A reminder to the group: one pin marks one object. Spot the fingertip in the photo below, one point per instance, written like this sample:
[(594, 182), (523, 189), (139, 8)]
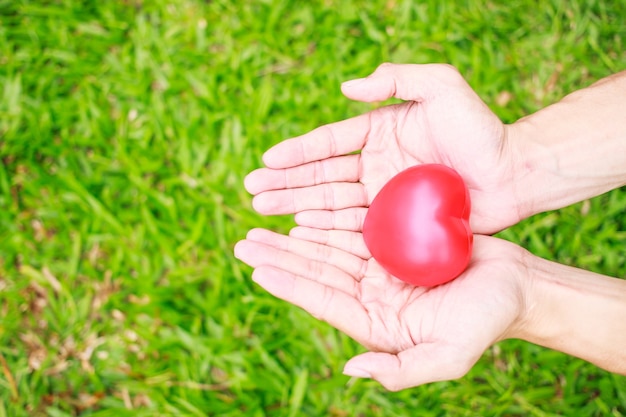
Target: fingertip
[(237, 250), (250, 182), (282, 155), (271, 203), (360, 366), (314, 218), (255, 234), (247, 250), (269, 157), (301, 218), (258, 275), (356, 372), (382, 367), (275, 281), (262, 277), (240, 250), (259, 204), (308, 233), (370, 89), (297, 232), (346, 85)]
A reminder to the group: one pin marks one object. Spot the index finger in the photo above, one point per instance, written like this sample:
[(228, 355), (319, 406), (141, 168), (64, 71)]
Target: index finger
[(339, 138)]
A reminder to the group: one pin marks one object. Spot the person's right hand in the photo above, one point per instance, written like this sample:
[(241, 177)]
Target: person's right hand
[(318, 176), (415, 335)]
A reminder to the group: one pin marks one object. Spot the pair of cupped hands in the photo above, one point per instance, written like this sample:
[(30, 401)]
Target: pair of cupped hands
[(414, 335)]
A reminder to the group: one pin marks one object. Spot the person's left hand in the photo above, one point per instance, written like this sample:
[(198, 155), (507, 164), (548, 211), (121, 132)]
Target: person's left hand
[(318, 177), (415, 335)]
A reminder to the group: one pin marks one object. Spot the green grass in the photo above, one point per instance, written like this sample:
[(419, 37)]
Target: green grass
[(126, 128)]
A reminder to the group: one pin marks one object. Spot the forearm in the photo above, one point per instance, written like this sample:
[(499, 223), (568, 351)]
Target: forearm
[(577, 312), (572, 150)]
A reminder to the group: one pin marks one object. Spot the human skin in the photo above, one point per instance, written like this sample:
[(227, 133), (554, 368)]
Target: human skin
[(567, 152), (416, 335), (315, 176), (572, 150)]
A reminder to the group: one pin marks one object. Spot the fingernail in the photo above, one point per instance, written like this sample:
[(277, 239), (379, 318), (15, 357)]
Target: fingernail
[(353, 83), (356, 372)]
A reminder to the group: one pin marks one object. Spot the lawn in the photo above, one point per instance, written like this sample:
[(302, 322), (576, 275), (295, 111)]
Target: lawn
[(126, 129)]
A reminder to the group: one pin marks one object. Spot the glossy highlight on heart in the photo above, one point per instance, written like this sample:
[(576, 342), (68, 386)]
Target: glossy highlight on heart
[(417, 227)]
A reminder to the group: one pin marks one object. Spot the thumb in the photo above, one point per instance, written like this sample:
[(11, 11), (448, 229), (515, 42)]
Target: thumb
[(404, 81), (421, 364)]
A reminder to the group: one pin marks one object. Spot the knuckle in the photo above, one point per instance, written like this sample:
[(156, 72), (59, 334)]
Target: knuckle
[(319, 172), (451, 68), (331, 140), (329, 196), (450, 73)]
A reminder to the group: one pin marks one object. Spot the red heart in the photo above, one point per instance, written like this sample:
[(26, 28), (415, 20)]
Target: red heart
[(417, 227)]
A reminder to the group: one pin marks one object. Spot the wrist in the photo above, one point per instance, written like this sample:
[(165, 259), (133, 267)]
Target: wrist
[(522, 158), (574, 311), (537, 181), (572, 150)]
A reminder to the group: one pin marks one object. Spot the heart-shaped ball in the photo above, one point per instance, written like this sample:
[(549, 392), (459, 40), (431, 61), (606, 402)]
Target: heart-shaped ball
[(417, 227)]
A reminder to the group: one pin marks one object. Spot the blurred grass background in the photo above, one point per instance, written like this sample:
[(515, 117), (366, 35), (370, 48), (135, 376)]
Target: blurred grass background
[(126, 128)]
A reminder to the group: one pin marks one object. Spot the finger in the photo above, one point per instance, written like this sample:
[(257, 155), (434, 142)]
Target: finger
[(339, 309), (330, 140), (347, 219), (258, 254), (339, 169), (403, 81), (421, 364), (350, 242), (311, 250), (333, 196)]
